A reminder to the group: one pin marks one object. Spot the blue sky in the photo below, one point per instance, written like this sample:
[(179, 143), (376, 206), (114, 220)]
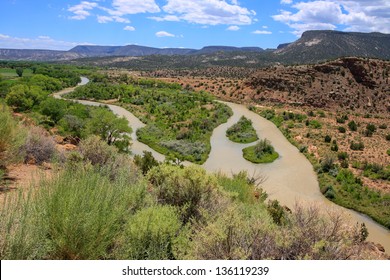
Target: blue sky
[(61, 25)]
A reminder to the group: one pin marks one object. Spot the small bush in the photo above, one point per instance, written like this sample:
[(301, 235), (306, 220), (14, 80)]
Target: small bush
[(315, 124), (327, 163), (342, 156), (96, 151), (341, 129), (328, 139), (11, 137), (145, 162), (262, 152), (388, 137), (188, 188), (330, 194), (151, 234), (242, 131), (39, 147), (352, 126), (357, 146)]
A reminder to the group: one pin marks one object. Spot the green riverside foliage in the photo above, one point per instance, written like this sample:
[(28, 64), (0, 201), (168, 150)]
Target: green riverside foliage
[(349, 192), (179, 123), (75, 215), (262, 152), (150, 234), (242, 131), (182, 213), (12, 137), (345, 189)]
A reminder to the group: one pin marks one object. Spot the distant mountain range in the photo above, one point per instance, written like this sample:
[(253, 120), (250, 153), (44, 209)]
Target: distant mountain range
[(312, 47)]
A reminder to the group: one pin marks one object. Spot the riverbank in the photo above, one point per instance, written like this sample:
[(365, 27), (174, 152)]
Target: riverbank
[(289, 179)]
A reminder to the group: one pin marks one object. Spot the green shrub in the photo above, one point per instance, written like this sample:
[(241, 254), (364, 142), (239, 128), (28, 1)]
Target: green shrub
[(76, 214), (96, 151), (315, 124), (262, 152), (151, 234), (39, 147), (239, 232), (357, 146), (342, 155), (11, 137), (277, 212), (328, 139), (327, 163), (330, 194), (145, 162), (352, 126), (242, 131), (341, 129), (239, 187), (188, 188)]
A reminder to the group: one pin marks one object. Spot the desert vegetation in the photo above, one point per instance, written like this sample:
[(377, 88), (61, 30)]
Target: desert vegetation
[(352, 167), (242, 131), (100, 203), (178, 122), (261, 152), (105, 208)]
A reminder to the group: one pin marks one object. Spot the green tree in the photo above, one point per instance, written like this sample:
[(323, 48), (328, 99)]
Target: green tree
[(109, 127), (53, 108), (24, 97), (19, 71), (145, 162)]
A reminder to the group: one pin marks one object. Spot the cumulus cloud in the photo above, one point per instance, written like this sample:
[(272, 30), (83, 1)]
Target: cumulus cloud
[(164, 34), (126, 7), (40, 42), (360, 15), (105, 19), (166, 18), (115, 11), (81, 11), (233, 28), (262, 32), (209, 12), (129, 28)]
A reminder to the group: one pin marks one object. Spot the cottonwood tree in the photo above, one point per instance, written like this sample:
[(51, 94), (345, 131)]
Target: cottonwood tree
[(113, 130)]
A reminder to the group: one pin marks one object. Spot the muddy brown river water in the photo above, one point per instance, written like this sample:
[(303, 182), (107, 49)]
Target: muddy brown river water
[(289, 179)]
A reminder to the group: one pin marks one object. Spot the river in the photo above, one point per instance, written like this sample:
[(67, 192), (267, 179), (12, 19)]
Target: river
[(289, 179)]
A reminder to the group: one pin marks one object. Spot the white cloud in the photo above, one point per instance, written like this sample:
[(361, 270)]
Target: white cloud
[(262, 32), (115, 11), (41, 42), (286, 1), (360, 15), (166, 18), (164, 34), (129, 28), (233, 28), (80, 11), (105, 19), (129, 7), (209, 12)]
